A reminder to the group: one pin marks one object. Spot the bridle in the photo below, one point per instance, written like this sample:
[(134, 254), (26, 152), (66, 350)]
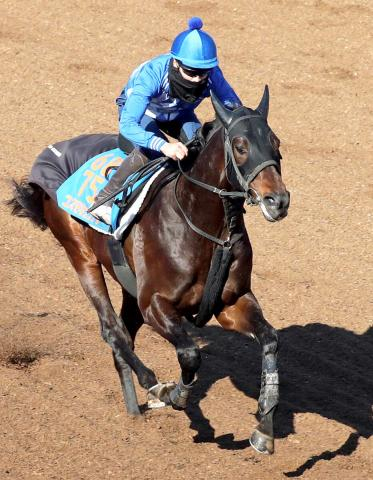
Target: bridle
[(256, 168), (247, 193)]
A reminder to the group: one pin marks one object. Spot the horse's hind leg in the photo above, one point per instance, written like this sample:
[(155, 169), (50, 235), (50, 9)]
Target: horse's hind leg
[(132, 320), (115, 333), (246, 317), (162, 316), (72, 237)]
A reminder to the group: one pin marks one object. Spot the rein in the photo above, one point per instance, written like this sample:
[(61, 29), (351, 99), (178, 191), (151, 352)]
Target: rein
[(224, 194), (210, 188), (232, 202), (223, 255), (223, 243)]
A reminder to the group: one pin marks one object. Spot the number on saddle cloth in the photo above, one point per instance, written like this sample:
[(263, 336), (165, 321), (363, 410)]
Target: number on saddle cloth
[(77, 193)]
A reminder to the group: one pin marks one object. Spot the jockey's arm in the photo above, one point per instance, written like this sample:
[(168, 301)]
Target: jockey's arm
[(176, 151), (130, 128), (223, 90), (131, 115)]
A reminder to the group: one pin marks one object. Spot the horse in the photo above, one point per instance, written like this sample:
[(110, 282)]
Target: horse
[(171, 247)]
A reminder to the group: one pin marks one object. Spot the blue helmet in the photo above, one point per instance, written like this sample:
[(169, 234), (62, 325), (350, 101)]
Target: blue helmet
[(195, 48)]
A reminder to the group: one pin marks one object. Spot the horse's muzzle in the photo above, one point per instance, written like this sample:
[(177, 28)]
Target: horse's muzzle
[(275, 205)]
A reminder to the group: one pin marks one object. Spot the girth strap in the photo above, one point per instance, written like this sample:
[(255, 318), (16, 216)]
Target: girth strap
[(121, 268)]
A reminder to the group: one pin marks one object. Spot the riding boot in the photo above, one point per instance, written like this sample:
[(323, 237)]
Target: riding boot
[(133, 162)]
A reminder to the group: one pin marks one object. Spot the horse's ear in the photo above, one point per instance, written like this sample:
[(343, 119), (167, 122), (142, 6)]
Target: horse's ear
[(263, 106), (224, 114)]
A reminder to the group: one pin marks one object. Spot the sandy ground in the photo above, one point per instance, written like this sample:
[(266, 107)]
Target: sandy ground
[(62, 416)]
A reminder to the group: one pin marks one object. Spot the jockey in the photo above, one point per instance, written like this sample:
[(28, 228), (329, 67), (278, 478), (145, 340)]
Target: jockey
[(160, 97)]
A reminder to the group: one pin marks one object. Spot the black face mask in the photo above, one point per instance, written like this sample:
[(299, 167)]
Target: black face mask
[(182, 88)]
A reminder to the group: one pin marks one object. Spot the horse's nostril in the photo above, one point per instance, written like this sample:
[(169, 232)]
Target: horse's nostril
[(279, 201), (270, 200)]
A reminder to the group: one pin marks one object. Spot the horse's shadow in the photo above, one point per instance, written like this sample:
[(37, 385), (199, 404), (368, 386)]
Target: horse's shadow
[(324, 370)]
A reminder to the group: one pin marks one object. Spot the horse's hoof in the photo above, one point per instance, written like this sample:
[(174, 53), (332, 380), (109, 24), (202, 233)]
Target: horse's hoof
[(159, 395), (179, 395), (262, 443)]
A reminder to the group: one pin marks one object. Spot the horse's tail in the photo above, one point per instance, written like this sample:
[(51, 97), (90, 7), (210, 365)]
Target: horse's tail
[(27, 202)]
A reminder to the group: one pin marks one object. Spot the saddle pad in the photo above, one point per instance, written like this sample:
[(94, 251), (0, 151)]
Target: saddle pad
[(77, 193)]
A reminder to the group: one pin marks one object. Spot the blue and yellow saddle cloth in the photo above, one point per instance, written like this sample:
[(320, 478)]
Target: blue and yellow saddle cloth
[(77, 193)]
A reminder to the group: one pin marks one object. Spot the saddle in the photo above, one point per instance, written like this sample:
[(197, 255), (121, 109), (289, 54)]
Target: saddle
[(137, 181)]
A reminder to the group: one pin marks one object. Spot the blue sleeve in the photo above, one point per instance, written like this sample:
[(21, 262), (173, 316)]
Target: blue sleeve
[(139, 95), (222, 89)]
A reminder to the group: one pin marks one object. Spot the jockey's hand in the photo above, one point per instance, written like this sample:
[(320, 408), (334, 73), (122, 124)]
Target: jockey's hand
[(176, 151)]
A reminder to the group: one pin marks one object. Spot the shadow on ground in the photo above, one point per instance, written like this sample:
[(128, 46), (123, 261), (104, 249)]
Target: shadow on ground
[(323, 370)]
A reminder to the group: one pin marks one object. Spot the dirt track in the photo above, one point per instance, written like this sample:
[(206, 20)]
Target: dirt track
[(62, 411)]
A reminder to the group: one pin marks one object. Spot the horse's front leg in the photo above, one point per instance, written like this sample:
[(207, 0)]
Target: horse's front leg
[(163, 317), (246, 317)]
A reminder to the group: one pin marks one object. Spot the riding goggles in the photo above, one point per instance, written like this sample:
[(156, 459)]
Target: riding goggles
[(195, 72)]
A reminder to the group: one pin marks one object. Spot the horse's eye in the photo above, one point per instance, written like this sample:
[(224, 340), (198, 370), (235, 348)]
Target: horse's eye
[(241, 149), (241, 145)]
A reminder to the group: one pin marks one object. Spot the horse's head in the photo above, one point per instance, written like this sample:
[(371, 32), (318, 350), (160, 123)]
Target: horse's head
[(253, 159)]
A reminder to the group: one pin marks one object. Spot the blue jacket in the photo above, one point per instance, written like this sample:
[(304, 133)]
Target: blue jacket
[(147, 92)]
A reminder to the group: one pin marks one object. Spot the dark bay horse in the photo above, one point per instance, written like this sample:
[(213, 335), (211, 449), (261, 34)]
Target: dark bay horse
[(170, 249)]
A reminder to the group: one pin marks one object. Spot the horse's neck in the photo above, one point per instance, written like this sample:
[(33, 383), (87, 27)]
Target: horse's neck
[(203, 207), (209, 167)]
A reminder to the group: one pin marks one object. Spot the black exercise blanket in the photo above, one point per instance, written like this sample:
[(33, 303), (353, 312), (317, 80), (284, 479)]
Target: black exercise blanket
[(60, 160)]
